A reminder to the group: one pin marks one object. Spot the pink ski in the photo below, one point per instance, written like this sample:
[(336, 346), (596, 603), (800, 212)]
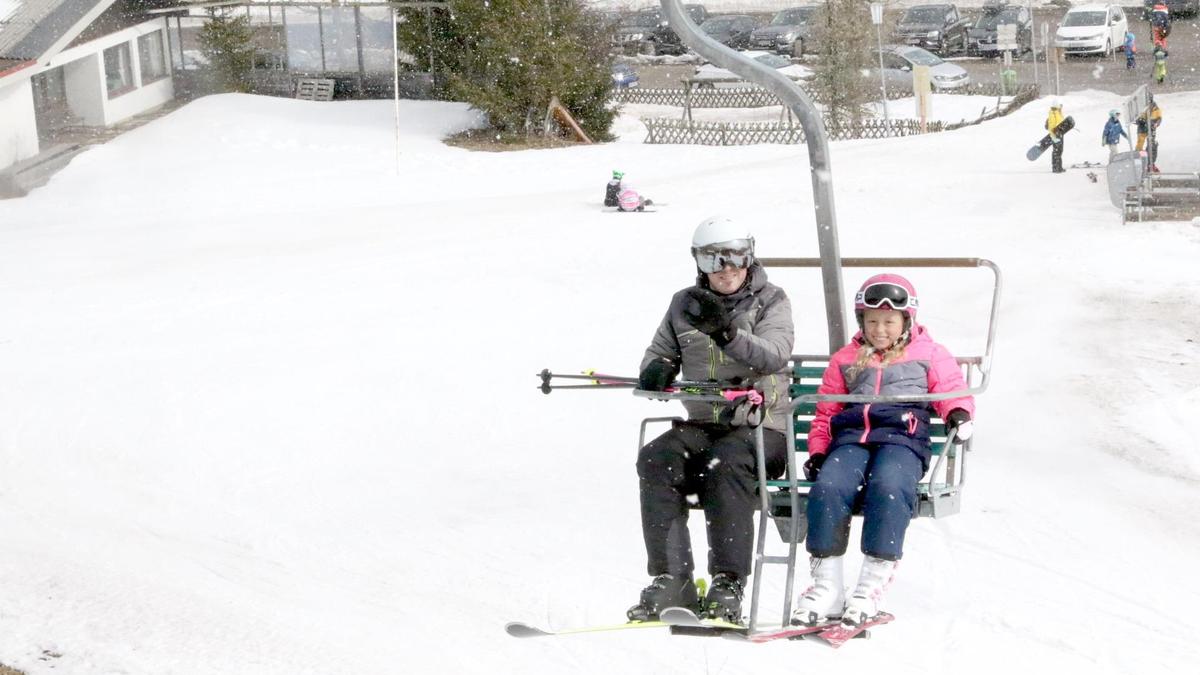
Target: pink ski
[(840, 633)]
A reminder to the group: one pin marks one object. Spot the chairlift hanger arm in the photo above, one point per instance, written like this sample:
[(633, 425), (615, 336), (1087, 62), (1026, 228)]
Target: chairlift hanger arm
[(815, 139)]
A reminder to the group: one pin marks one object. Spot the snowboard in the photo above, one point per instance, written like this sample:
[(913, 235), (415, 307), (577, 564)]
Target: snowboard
[(1063, 127)]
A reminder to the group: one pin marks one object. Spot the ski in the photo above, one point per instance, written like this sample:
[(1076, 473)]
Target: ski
[(1087, 165), (684, 621), (520, 629), (788, 633), (837, 635)]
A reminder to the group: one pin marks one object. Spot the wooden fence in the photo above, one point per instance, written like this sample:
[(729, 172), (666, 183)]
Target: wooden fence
[(753, 96), (686, 131), (664, 130)]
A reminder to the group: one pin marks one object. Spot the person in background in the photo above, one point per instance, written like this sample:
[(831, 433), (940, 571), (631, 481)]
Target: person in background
[(612, 191), (1130, 50), (1054, 119), (1160, 24), (1160, 64), (874, 454), (1113, 131), (1146, 123), (732, 324)]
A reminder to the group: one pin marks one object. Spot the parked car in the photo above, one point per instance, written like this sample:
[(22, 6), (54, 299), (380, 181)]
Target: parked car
[(981, 38), (624, 76), (709, 75), (899, 60), (788, 32), (1092, 29), (937, 28), (648, 32), (731, 30)]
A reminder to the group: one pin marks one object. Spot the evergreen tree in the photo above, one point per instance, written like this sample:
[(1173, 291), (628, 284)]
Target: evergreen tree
[(225, 42), (843, 34), (508, 58)]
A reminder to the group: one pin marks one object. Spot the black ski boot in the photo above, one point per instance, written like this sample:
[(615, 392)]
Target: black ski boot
[(724, 599), (667, 590)]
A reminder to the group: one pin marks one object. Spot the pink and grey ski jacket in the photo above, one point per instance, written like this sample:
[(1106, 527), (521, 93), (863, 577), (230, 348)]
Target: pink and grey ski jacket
[(926, 368)]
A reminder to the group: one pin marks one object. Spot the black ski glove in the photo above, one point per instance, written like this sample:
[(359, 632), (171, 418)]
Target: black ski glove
[(960, 421), (706, 311), (813, 466), (658, 374)]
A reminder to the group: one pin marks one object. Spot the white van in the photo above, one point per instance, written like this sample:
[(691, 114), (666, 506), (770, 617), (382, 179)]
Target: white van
[(1091, 29)]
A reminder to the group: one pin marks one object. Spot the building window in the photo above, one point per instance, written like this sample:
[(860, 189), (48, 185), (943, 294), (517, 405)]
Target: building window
[(150, 55), (118, 71)]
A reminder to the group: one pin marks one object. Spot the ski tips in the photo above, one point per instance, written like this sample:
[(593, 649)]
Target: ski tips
[(524, 630)]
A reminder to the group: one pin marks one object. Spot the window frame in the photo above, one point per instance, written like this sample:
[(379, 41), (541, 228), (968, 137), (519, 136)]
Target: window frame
[(130, 82), (164, 71)]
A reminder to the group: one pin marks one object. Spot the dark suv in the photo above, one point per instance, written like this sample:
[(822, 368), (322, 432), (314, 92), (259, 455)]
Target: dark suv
[(938, 28), (787, 33), (981, 38), (647, 31)]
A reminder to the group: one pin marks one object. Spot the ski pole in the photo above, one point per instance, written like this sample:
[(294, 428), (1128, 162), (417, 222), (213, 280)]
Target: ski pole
[(728, 390)]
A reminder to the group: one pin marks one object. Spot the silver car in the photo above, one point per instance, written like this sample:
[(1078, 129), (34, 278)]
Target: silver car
[(899, 60)]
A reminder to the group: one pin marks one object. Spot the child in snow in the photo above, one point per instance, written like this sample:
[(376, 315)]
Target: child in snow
[(875, 453), (631, 200), (1160, 64), (1130, 50), (612, 191), (731, 323), (1113, 131)]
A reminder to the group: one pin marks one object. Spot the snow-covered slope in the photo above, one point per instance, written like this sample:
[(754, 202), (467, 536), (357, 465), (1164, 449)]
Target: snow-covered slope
[(267, 397)]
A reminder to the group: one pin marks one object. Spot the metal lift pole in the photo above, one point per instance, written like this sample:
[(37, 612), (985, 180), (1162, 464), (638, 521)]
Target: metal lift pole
[(818, 152)]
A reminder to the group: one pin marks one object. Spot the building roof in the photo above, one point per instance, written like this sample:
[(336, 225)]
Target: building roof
[(33, 27)]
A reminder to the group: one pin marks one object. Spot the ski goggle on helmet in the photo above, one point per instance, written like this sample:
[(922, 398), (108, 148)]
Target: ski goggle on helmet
[(890, 291), (718, 242)]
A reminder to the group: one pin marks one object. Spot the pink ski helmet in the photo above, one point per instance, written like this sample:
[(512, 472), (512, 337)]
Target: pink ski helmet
[(887, 290)]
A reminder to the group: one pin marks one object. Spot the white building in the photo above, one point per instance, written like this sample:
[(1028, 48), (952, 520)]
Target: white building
[(70, 63)]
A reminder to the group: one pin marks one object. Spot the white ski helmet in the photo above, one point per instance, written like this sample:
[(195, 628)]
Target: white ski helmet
[(719, 240), (719, 229)]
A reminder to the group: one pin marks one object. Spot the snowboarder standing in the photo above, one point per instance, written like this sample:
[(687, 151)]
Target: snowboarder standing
[(1130, 50), (1147, 127), (733, 323), (874, 454), (1113, 131), (612, 191), (1052, 121)]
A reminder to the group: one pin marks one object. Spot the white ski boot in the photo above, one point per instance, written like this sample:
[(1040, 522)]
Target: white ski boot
[(874, 579), (826, 598)]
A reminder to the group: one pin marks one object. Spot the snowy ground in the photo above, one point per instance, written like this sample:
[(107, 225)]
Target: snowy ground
[(268, 405)]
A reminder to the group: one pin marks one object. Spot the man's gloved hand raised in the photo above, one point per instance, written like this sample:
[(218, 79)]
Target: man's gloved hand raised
[(658, 374), (706, 311), (960, 420)]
